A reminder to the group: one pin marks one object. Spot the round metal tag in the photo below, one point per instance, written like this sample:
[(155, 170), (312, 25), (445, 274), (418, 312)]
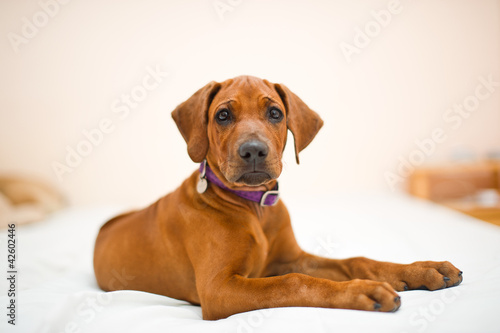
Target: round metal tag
[(202, 185)]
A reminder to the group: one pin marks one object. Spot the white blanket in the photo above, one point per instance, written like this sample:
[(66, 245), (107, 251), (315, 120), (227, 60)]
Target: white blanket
[(57, 291)]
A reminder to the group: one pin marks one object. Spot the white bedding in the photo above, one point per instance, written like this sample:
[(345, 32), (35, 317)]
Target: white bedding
[(58, 292)]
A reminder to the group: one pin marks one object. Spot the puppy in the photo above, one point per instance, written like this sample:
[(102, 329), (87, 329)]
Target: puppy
[(223, 239)]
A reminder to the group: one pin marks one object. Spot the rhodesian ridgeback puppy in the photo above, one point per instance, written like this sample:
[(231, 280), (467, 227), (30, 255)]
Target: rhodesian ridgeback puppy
[(223, 239)]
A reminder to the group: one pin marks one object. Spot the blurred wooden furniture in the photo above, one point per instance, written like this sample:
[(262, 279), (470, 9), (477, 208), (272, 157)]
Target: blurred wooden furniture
[(472, 188)]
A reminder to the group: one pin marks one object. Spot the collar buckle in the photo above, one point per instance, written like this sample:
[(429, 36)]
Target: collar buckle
[(266, 194)]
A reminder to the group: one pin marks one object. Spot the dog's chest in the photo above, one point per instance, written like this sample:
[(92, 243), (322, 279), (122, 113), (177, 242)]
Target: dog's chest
[(258, 254)]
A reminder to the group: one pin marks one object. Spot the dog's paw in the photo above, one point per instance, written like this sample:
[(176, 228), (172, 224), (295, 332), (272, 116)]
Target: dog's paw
[(370, 296), (428, 275)]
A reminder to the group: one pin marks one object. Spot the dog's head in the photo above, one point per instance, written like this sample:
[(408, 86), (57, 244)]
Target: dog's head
[(240, 127)]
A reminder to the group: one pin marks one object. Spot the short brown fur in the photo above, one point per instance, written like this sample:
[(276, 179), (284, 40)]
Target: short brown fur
[(229, 254)]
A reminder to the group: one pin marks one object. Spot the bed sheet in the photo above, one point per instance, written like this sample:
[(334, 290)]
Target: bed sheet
[(57, 291)]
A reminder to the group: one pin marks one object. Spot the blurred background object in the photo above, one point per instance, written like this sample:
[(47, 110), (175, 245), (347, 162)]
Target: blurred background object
[(25, 200), (472, 188)]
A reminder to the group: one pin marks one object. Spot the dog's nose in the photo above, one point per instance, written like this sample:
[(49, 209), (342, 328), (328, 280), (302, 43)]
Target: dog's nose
[(253, 151)]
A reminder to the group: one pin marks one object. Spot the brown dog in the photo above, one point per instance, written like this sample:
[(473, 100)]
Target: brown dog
[(221, 241)]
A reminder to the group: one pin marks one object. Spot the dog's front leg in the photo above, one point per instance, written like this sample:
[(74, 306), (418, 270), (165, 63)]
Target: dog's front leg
[(230, 270), (232, 294), (418, 275)]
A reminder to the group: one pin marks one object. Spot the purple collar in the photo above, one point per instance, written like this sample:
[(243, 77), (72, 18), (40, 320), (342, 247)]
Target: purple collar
[(265, 198)]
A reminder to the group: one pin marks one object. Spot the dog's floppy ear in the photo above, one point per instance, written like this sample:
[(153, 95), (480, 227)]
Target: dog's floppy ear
[(191, 118), (303, 122)]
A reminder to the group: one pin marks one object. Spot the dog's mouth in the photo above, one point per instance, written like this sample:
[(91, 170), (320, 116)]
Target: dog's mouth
[(248, 177), (254, 178)]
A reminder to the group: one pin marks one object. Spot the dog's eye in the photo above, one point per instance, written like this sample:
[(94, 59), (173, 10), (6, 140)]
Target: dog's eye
[(223, 116), (275, 115)]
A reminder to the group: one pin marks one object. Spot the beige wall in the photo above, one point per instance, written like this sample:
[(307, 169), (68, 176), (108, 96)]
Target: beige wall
[(69, 74)]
